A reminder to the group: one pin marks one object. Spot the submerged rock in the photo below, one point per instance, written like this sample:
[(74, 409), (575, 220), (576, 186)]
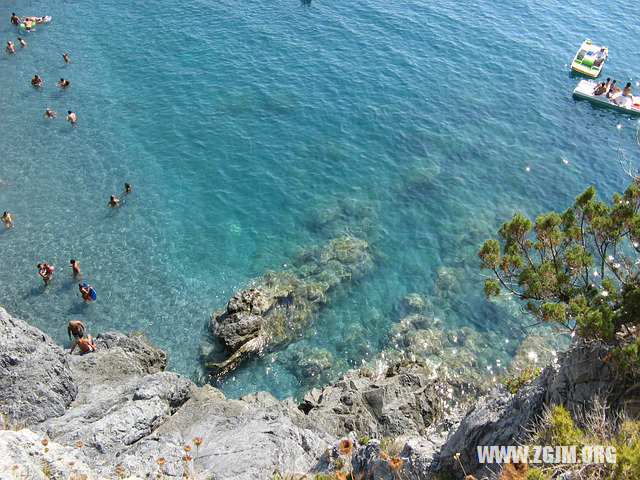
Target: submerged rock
[(282, 305), (416, 303)]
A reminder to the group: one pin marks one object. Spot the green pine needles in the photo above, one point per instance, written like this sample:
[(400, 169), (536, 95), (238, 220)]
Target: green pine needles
[(578, 269)]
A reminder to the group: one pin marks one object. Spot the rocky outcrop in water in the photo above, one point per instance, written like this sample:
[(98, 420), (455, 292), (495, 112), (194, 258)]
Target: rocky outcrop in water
[(280, 306)]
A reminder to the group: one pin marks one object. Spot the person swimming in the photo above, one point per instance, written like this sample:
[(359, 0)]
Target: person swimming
[(85, 292), (36, 81), (7, 219), (63, 83), (113, 201), (22, 42), (10, 48), (71, 117), (14, 18), (50, 113), (75, 327), (127, 188), (86, 345), (73, 263), (46, 272), (66, 59)]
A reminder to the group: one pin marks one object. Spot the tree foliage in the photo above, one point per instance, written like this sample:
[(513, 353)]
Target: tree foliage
[(578, 268)]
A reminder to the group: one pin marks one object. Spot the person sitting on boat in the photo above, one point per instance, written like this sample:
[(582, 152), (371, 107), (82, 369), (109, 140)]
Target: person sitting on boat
[(601, 88), (624, 99), (613, 89), (600, 57)]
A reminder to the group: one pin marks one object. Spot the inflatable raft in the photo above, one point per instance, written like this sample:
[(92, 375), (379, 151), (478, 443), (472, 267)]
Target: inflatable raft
[(584, 61), (585, 90), (45, 19)]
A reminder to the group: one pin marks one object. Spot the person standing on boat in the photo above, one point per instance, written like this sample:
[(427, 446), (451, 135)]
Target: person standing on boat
[(600, 57)]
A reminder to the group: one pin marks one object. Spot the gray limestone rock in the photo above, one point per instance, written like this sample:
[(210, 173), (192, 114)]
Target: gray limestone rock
[(35, 378), (399, 403)]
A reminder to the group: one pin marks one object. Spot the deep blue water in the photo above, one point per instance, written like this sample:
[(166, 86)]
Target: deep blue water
[(239, 124)]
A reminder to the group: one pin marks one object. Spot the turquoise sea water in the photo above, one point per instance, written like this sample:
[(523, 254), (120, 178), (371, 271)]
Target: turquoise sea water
[(241, 124)]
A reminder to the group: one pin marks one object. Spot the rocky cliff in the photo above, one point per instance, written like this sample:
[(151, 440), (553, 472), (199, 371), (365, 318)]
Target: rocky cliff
[(115, 413)]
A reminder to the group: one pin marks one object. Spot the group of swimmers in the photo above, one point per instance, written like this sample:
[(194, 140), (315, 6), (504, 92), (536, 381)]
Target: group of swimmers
[(610, 90), (36, 81), (29, 22), (78, 330), (7, 219)]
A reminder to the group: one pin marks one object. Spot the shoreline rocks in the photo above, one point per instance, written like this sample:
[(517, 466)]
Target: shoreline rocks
[(117, 408)]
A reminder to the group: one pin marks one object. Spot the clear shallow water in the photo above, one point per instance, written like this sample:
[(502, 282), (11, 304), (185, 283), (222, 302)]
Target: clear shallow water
[(236, 122)]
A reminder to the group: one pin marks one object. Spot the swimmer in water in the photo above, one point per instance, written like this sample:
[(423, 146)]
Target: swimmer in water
[(73, 263), (22, 42), (75, 327), (7, 219), (46, 272), (127, 188), (63, 83), (85, 292), (10, 48), (85, 344), (14, 18), (66, 59), (113, 201), (71, 117), (50, 113), (36, 81)]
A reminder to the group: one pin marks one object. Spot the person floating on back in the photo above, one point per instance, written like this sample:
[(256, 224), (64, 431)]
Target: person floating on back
[(36, 81), (7, 219), (10, 48), (46, 272), (73, 263), (14, 19), (71, 117), (50, 113), (85, 344), (85, 292), (113, 201), (66, 59), (76, 327)]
